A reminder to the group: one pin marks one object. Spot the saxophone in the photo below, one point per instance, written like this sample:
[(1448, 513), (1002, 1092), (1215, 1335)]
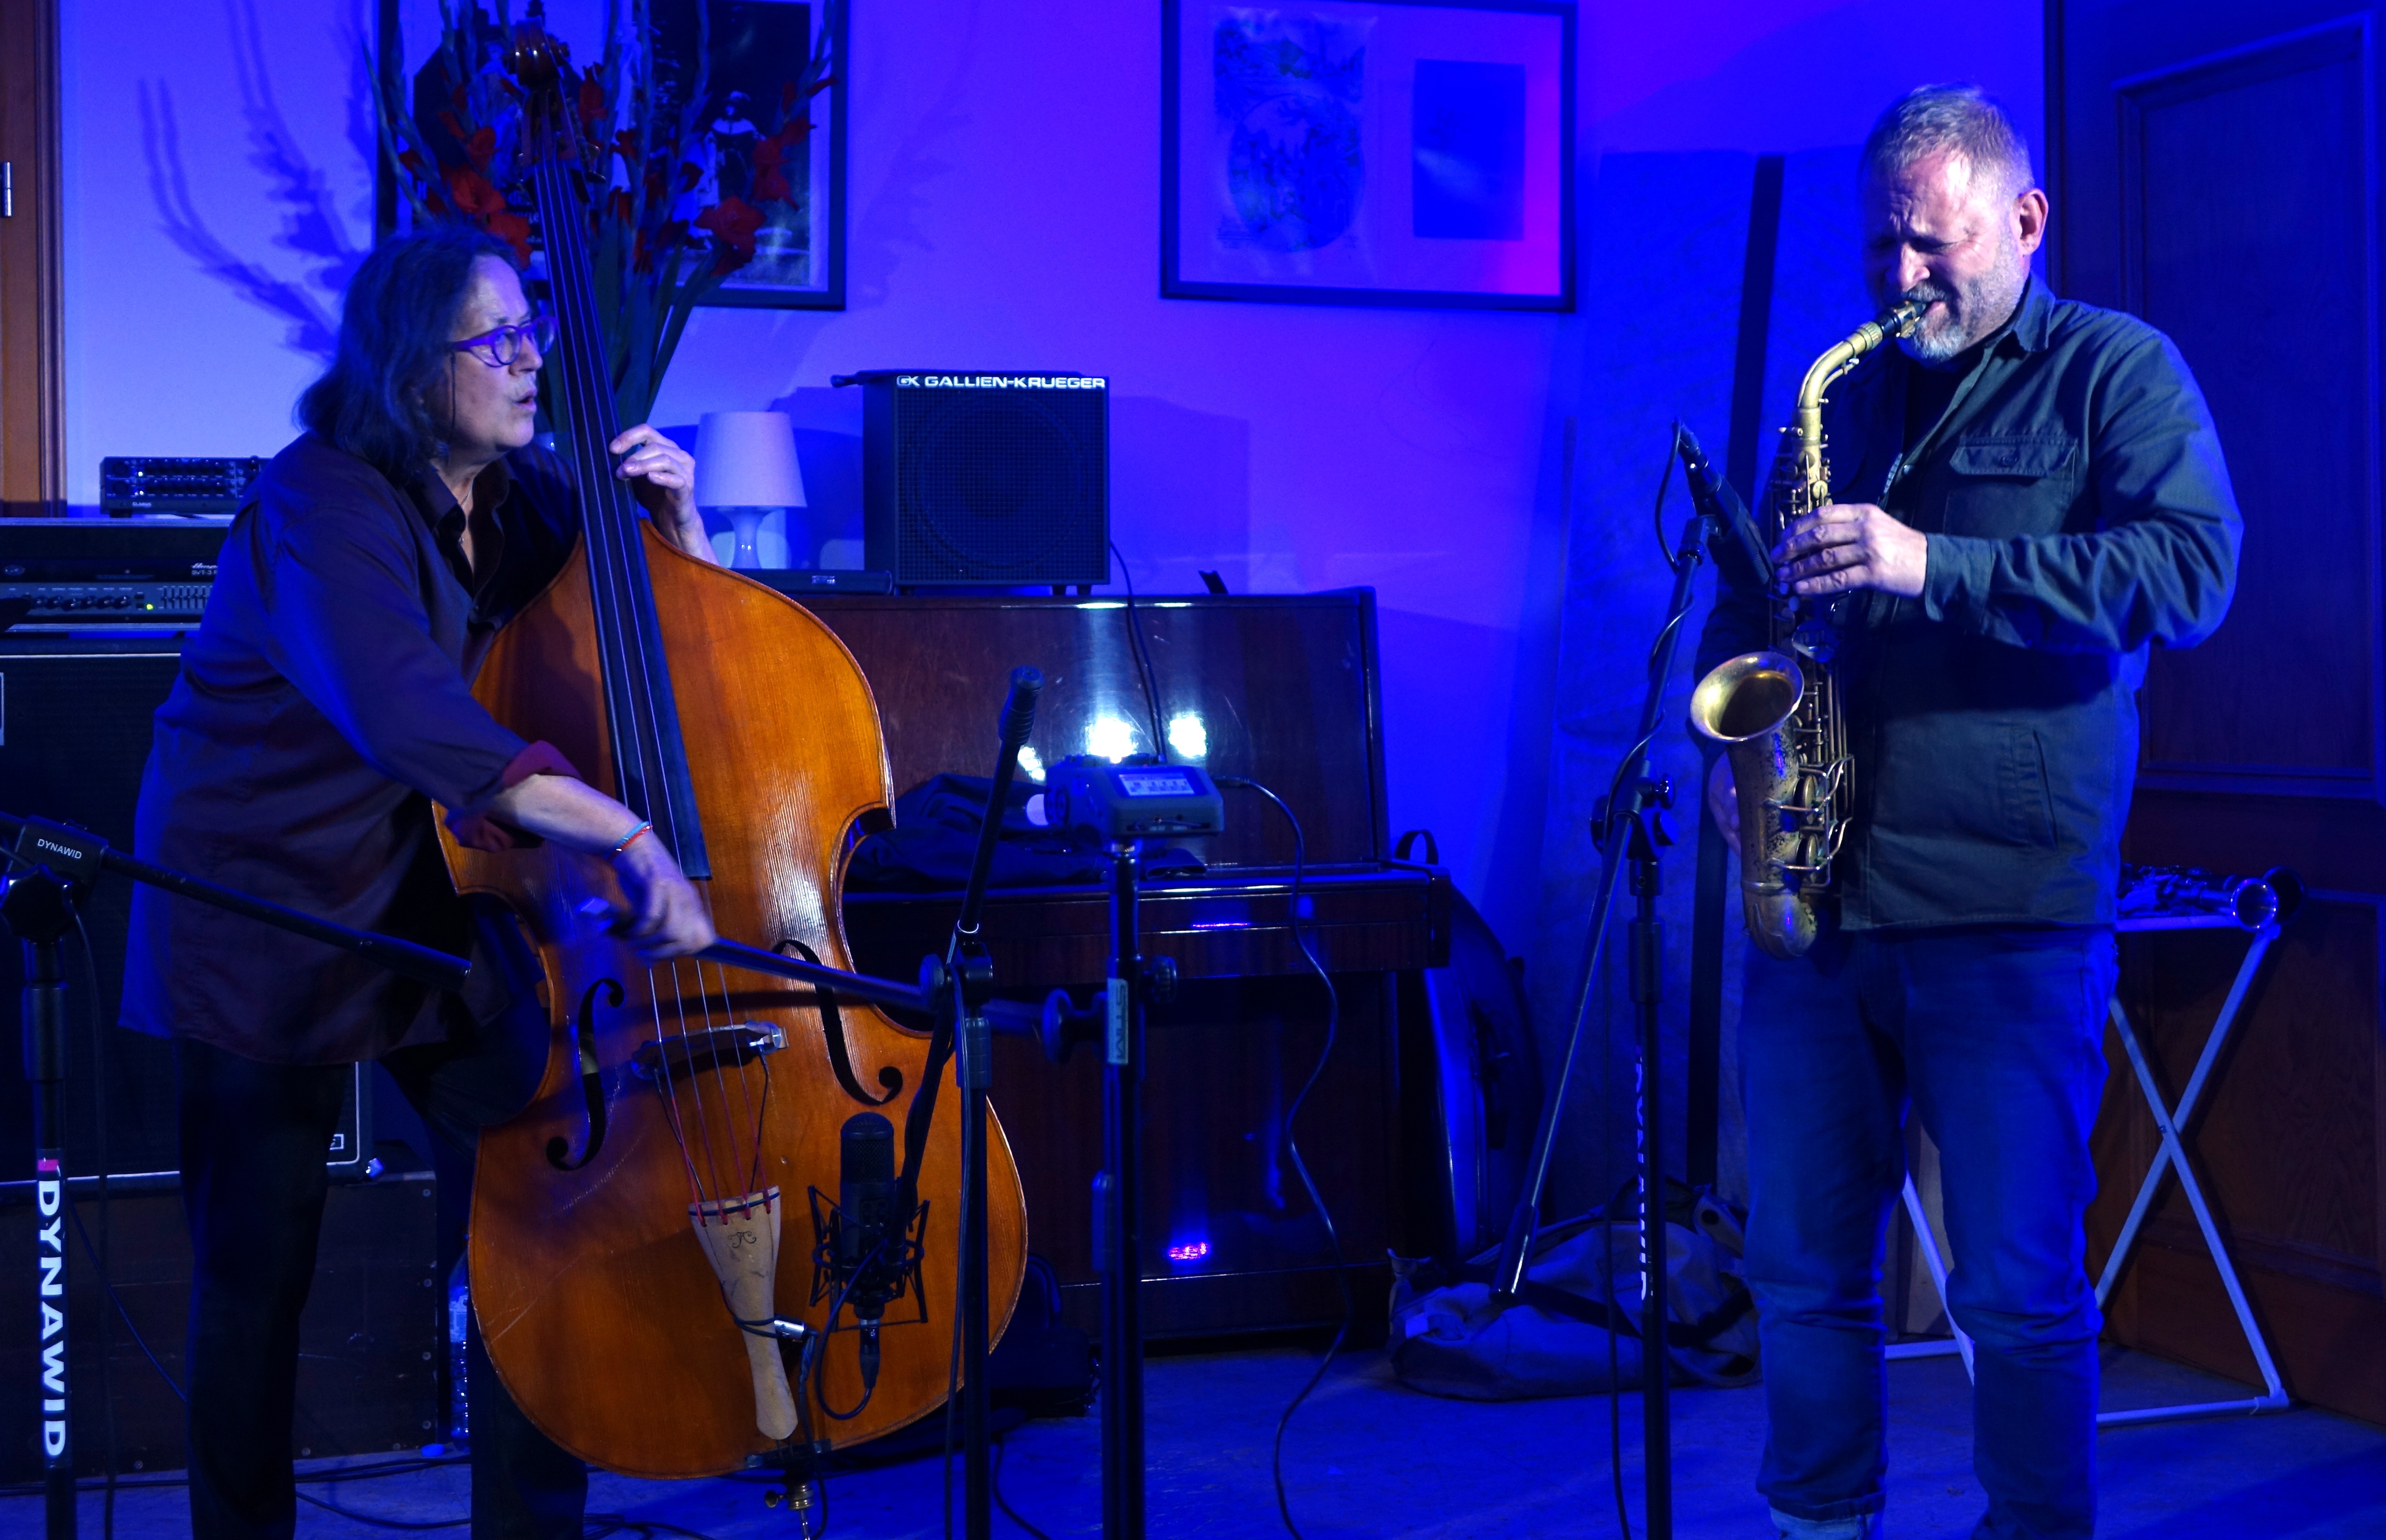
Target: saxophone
[(1777, 713)]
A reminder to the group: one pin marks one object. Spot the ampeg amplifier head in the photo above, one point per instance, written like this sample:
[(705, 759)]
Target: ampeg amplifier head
[(972, 479)]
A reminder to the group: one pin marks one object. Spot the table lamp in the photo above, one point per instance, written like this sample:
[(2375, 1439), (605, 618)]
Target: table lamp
[(746, 467)]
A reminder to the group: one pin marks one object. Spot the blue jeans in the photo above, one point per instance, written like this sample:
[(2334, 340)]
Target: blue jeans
[(1996, 1039)]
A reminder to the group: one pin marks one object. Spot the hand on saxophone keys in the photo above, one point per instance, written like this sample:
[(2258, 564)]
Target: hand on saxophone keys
[(1849, 545)]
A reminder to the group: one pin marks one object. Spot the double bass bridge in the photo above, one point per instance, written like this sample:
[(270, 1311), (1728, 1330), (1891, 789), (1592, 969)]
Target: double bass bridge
[(671, 1059)]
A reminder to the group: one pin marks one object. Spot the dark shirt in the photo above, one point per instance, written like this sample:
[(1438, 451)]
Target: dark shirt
[(2078, 511), (323, 705)]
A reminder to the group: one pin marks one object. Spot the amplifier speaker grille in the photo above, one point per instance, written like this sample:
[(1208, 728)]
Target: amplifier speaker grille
[(987, 485)]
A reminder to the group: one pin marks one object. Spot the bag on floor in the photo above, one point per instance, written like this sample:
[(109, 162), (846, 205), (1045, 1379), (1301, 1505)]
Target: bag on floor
[(1581, 1296)]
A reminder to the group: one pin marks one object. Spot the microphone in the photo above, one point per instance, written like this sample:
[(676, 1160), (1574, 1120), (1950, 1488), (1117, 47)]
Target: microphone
[(866, 1202), (1716, 499)]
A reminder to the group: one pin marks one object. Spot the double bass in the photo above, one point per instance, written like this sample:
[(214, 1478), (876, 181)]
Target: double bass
[(669, 1193)]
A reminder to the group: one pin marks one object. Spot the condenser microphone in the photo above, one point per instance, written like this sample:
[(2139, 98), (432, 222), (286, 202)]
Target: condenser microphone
[(865, 1254), (1718, 500)]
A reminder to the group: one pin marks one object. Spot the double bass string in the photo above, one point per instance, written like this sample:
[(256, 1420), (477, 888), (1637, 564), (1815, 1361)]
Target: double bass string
[(610, 575), (618, 554)]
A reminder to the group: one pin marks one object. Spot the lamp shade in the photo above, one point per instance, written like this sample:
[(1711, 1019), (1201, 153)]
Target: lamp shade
[(747, 460)]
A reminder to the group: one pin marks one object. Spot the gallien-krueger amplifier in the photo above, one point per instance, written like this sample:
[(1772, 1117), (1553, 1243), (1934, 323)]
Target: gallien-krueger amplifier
[(977, 479)]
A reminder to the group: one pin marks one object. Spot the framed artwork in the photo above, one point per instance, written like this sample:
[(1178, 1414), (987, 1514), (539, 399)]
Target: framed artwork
[(745, 107), (1368, 152)]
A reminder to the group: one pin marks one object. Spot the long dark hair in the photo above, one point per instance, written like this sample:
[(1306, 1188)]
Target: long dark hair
[(393, 336)]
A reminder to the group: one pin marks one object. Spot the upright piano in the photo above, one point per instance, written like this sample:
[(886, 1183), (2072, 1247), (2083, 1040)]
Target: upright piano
[(1283, 689)]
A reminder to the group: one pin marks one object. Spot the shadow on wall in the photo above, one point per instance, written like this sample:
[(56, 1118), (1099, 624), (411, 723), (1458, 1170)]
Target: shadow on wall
[(895, 215), (1455, 686), (311, 226), (1180, 495), (828, 451)]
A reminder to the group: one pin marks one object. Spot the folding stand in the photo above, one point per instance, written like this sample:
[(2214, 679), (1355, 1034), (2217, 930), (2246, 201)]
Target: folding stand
[(2171, 1155)]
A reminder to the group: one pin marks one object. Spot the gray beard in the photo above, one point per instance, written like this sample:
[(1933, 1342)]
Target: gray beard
[(1987, 303)]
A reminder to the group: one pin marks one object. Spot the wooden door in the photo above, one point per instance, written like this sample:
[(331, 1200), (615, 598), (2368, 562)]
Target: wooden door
[(2215, 170), (32, 452)]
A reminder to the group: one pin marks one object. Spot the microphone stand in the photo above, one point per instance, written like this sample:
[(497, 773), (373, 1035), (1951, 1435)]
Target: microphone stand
[(50, 867), (969, 984), (1118, 1208), (1631, 832)]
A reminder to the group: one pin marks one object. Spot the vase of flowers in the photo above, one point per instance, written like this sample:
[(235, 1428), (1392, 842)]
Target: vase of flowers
[(666, 226)]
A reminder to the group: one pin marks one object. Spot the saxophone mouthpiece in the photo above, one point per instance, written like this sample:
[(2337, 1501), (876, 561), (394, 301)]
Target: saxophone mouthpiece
[(1906, 313)]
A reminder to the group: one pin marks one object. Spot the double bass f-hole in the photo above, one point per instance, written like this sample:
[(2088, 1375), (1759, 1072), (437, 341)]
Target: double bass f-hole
[(592, 1080), (840, 1058)]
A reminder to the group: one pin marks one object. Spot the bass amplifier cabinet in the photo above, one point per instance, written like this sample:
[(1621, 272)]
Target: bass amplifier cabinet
[(74, 735), (984, 479), (372, 1342)]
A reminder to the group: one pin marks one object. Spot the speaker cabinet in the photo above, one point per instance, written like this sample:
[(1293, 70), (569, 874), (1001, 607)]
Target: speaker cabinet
[(74, 735), (986, 479)]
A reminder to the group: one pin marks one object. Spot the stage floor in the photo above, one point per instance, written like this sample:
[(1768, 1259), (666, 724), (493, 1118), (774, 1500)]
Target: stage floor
[(1367, 1458)]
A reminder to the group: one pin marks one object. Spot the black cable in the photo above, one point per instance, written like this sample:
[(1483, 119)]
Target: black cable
[(1606, 1126), (1607, 1239), (953, 1355), (1664, 478), (1143, 669), (109, 1450), (1292, 1142), (385, 1523), (74, 1210), (1004, 1503), (406, 1467), (617, 1523), (1658, 650), (816, 1476)]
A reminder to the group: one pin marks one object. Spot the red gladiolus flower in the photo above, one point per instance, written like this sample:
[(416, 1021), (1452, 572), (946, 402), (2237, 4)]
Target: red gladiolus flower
[(480, 147), (473, 193), (592, 101), (514, 231), (770, 183), (732, 223)]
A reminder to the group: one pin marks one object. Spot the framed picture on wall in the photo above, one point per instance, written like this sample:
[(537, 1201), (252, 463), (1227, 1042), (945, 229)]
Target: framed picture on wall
[(745, 120), (1368, 152)]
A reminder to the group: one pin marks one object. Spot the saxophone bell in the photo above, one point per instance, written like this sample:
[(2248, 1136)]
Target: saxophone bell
[(1777, 713), (1749, 706)]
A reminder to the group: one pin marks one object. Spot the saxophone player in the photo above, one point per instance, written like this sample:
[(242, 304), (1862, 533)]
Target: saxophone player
[(2027, 492)]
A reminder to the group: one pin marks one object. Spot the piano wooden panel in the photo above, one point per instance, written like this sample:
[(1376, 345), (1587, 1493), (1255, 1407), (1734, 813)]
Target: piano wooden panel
[(1283, 687), (1284, 690)]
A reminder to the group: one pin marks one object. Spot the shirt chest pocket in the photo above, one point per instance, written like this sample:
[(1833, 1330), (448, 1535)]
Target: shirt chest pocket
[(2000, 485)]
